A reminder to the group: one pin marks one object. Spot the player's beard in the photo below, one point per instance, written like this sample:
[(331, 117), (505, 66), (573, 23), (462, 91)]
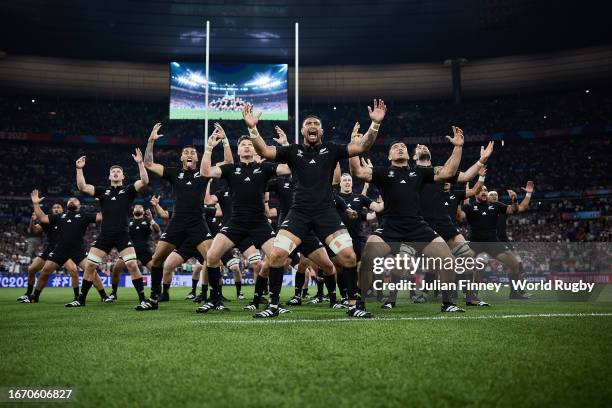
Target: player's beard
[(424, 156), (71, 207), (137, 214)]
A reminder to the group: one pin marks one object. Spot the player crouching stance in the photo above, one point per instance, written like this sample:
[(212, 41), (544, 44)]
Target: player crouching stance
[(312, 166), (115, 202), (400, 186)]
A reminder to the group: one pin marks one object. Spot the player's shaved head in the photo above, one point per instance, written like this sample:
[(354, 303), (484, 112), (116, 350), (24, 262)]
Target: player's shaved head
[(312, 130)]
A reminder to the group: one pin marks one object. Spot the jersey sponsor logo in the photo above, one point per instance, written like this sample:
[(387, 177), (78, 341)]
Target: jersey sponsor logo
[(323, 151), (238, 170), (391, 173), (312, 161), (77, 216), (226, 194), (107, 192), (378, 230), (356, 199), (452, 197), (197, 174), (491, 207), (181, 175), (137, 227), (247, 179), (403, 182), (163, 235), (285, 223), (69, 220), (223, 229), (300, 153), (412, 174), (113, 198), (131, 223), (122, 191), (446, 203), (63, 216), (257, 171), (287, 185), (484, 213)]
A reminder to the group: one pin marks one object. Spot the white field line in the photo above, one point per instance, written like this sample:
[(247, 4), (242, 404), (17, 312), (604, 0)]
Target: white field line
[(281, 320)]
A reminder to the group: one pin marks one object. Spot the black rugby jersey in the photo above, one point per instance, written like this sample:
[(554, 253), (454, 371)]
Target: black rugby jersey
[(115, 205), (188, 188), (282, 186), (312, 170), (400, 188), (73, 225), (482, 218), (357, 202), (247, 183), (140, 231)]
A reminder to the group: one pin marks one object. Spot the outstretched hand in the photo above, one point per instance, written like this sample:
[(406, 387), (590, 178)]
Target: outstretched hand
[(365, 163), (512, 194), (155, 200), (249, 118), (80, 163), (457, 139), (482, 171), (36, 199), (486, 153), (528, 187), (220, 131), (356, 137), (137, 156), (282, 137), (154, 135), (377, 113)]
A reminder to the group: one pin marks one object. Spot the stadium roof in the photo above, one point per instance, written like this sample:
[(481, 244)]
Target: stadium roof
[(331, 31)]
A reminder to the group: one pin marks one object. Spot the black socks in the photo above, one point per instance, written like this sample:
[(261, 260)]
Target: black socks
[(139, 286)]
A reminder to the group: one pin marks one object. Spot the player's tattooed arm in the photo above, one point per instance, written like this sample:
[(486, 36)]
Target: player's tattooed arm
[(40, 214), (360, 169), (251, 120), (206, 168), (452, 164), (474, 191), (80, 178), (144, 176), (155, 168), (363, 144), (470, 173)]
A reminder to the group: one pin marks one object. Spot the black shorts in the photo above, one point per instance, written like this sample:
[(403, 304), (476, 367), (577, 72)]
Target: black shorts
[(106, 241), (63, 252), (189, 250), (308, 245), (323, 222), (143, 254), (493, 248), (414, 231), (183, 228), (44, 255), (444, 227), (248, 232)]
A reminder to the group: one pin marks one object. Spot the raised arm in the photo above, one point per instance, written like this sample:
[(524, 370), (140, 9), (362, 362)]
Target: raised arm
[(377, 114), (155, 168), (360, 169), (474, 191), (80, 178), (206, 168), (163, 214), (144, 176), (470, 173), (262, 149), (337, 175), (519, 208), (32, 227), (228, 157), (209, 198), (153, 225), (452, 164)]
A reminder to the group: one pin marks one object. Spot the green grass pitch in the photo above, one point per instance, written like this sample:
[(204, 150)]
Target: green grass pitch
[(114, 356), (179, 113)]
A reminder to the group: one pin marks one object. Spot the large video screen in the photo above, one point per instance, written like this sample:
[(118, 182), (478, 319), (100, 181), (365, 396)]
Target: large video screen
[(231, 86)]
